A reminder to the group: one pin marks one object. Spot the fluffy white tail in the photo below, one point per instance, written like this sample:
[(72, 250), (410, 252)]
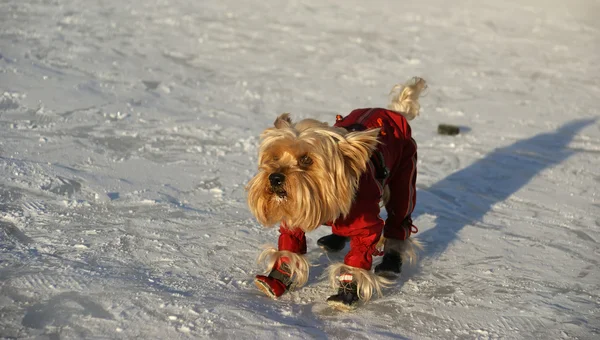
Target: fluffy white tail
[(405, 98)]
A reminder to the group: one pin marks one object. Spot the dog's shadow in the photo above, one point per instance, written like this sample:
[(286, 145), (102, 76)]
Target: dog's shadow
[(466, 196)]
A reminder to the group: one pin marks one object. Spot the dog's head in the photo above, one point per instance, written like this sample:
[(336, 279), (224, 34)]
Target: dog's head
[(308, 172)]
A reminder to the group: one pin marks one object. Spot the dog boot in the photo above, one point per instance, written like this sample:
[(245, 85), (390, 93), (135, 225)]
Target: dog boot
[(332, 243), (391, 266), (346, 298), (277, 282)]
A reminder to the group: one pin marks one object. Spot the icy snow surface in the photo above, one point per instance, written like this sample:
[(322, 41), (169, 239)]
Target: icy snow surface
[(128, 130)]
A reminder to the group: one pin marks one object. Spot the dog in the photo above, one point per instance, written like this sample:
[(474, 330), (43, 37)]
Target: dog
[(312, 174)]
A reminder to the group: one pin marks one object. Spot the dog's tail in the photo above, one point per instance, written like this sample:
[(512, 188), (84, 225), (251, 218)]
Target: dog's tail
[(405, 97)]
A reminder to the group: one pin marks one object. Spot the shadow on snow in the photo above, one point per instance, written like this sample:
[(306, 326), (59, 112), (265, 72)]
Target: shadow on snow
[(468, 194)]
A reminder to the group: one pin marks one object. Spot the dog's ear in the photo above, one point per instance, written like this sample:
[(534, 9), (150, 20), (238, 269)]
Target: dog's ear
[(283, 121), (357, 148)]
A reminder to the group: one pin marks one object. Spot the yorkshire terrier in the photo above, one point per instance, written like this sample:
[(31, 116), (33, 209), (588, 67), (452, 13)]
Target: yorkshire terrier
[(313, 174)]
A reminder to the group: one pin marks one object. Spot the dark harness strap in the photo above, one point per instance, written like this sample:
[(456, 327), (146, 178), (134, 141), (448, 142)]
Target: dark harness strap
[(381, 171)]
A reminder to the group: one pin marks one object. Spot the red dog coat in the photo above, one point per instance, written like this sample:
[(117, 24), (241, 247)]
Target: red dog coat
[(394, 163)]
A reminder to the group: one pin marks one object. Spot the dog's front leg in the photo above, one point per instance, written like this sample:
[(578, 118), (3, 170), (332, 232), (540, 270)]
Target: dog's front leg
[(353, 278), (286, 267)]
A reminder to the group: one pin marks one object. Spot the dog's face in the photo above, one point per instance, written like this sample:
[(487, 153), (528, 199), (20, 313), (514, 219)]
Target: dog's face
[(308, 172)]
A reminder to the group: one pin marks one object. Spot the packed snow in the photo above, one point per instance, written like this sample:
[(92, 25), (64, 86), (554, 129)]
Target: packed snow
[(128, 131)]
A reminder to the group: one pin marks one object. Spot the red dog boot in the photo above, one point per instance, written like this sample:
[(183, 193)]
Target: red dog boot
[(277, 283)]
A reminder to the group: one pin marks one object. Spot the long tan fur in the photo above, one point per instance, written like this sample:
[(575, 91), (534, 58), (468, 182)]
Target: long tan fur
[(367, 282), (405, 98), (297, 263), (314, 194)]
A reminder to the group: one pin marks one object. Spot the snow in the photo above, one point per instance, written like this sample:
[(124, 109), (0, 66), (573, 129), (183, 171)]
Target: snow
[(129, 130)]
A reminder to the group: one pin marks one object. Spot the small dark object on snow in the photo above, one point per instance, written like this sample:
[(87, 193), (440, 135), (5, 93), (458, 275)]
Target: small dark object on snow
[(450, 130), (332, 242), (151, 84)]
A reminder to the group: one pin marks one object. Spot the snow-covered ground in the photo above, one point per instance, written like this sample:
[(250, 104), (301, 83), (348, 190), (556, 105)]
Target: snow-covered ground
[(129, 129)]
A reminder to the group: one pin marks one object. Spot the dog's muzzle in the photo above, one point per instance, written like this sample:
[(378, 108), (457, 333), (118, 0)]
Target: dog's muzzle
[(276, 179)]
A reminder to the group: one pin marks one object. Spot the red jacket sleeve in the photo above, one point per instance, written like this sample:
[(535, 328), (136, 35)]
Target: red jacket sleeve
[(292, 239)]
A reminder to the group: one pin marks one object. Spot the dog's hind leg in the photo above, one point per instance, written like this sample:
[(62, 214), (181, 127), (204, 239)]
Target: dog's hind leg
[(397, 252)]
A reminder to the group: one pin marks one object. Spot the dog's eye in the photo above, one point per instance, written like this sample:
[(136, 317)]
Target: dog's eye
[(305, 161)]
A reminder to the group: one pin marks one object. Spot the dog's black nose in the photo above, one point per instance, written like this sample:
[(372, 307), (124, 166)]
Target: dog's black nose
[(276, 179)]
